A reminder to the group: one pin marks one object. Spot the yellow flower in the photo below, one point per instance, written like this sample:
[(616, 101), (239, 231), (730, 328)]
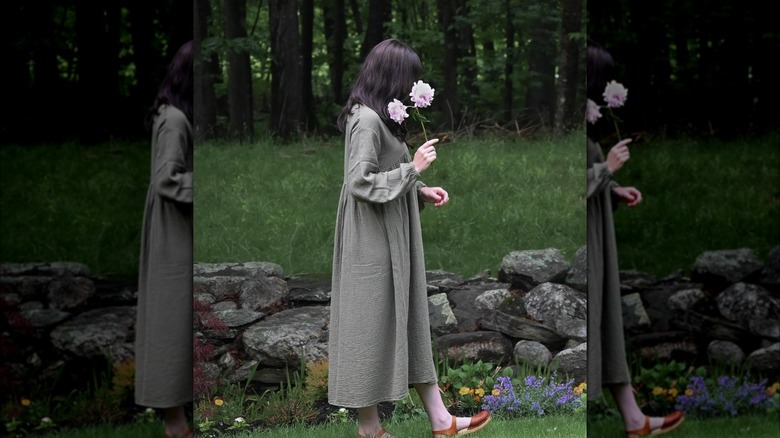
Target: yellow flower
[(673, 392), (576, 391), (471, 392), (219, 402), (26, 402), (476, 399), (689, 392), (658, 390), (480, 392), (464, 390), (772, 390), (496, 392)]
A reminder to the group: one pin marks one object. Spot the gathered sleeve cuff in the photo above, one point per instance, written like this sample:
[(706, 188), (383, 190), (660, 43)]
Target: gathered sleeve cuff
[(365, 180), (600, 179), (172, 178)]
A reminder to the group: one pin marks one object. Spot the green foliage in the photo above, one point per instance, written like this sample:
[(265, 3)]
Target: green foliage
[(467, 385)]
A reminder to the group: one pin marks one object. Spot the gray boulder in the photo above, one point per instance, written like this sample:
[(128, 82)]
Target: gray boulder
[(717, 269), (530, 268), (574, 362), (751, 306), (725, 352), (104, 332), (532, 354), (282, 338), (559, 307), (474, 346), (577, 277), (440, 316)]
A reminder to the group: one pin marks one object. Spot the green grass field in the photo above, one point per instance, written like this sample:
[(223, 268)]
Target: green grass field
[(754, 426), (74, 203), (265, 202), (698, 196)]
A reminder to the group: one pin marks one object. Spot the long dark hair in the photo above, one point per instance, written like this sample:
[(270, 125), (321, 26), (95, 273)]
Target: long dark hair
[(601, 69), (388, 73), (176, 88)]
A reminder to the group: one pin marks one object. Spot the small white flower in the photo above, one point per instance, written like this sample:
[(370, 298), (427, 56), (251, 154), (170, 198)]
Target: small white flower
[(397, 110), (342, 410), (422, 94), (615, 94), (592, 112), (45, 420), (149, 411), (239, 420)]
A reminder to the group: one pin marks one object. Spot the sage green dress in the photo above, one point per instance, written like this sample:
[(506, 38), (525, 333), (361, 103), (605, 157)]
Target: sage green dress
[(607, 363), (379, 341), (163, 347)]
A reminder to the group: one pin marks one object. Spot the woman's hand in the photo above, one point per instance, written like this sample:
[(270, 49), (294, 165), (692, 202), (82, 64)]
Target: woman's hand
[(435, 195), (630, 195), (425, 155), (618, 155)]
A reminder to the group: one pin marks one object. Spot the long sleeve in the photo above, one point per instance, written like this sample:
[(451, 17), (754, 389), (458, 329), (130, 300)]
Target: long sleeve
[(172, 178), (365, 180), (599, 176)]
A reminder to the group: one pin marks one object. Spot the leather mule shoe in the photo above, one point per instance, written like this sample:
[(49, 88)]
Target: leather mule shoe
[(477, 422), (671, 422)]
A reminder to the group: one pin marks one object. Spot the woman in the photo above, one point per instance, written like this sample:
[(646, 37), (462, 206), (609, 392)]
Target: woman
[(607, 365), (379, 331), (163, 360)]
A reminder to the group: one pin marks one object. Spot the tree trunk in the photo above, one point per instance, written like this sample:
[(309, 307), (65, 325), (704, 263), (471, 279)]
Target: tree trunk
[(449, 95), (509, 63), (540, 95), (356, 17), (467, 54), (568, 66), (239, 74), (205, 69), (149, 66), (287, 112), (307, 42), (335, 35), (94, 68), (378, 15)]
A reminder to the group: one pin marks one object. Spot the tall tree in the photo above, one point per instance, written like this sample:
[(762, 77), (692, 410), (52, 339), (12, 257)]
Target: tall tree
[(568, 64), (335, 28), (96, 66), (206, 69), (540, 94), (288, 115), (449, 96), (307, 45), (239, 72), (378, 16), (509, 64)]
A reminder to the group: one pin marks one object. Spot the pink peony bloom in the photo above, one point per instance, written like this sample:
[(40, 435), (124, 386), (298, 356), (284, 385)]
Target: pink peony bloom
[(422, 94), (397, 110), (592, 112), (615, 94)]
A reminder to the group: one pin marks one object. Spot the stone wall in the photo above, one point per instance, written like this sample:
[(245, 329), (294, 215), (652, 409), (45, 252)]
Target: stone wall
[(727, 311), (252, 315)]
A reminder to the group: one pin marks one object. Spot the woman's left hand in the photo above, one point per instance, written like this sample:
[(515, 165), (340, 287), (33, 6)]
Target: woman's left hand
[(435, 195), (630, 195)]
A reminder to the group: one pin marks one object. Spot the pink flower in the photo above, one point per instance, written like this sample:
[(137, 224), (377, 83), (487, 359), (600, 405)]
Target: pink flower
[(422, 94), (592, 112), (615, 94), (397, 110)]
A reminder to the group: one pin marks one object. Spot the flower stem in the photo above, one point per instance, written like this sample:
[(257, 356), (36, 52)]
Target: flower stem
[(422, 124), (614, 121)]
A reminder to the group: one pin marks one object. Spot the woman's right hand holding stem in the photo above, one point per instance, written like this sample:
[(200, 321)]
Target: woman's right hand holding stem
[(425, 155), (618, 155)]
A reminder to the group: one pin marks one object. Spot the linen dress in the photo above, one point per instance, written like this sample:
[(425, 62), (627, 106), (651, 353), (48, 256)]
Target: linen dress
[(606, 344), (379, 341), (163, 351)]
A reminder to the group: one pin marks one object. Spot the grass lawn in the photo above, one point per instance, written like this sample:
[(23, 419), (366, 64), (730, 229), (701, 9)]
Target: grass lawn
[(552, 426), (698, 196), (74, 203), (753, 426), (267, 202)]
